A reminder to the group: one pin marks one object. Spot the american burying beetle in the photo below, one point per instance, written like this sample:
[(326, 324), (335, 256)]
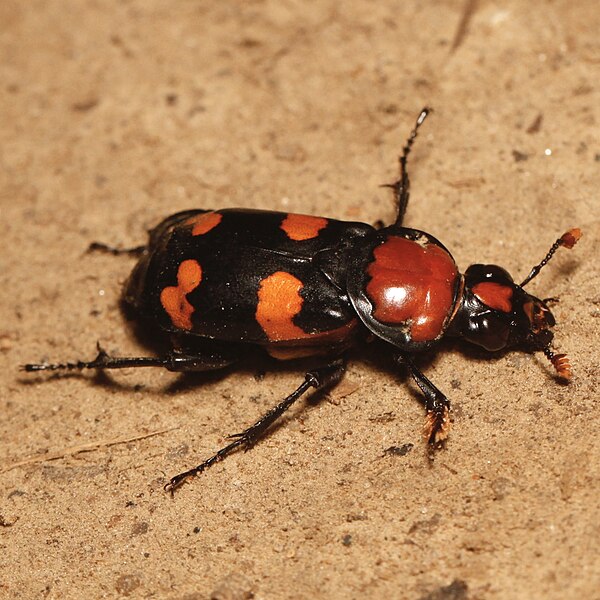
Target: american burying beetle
[(219, 283)]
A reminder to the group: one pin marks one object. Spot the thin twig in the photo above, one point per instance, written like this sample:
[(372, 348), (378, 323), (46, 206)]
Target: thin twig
[(82, 448), (469, 9)]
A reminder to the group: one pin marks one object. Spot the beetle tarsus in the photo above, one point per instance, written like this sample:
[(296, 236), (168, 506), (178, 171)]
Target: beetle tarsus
[(100, 362), (437, 426)]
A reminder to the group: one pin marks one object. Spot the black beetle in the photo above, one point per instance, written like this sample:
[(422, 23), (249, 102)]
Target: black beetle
[(219, 283)]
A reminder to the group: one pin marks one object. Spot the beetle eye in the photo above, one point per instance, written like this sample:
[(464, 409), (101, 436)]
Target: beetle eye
[(539, 315)]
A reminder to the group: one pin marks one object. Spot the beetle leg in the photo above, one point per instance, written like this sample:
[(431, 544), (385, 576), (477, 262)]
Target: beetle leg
[(101, 247), (437, 422), (318, 378), (173, 361)]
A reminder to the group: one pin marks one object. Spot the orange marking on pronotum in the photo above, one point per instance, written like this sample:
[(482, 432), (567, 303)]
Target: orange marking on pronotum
[(203, 223), (494, 295), (414, 284), (173, 298), (302, 227)]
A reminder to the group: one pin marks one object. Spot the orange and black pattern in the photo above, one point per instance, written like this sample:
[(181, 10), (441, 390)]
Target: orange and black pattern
[(250, 276)]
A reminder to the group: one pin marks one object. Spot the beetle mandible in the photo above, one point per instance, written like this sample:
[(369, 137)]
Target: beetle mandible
[(217, 283)]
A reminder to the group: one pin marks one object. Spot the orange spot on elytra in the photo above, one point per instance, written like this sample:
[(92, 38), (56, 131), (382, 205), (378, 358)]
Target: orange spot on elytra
[(302, 227), (279, 301), (204, 222), (494, 295), (173, 298)]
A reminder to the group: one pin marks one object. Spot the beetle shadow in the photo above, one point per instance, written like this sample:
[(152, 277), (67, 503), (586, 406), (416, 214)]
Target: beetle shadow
[(260, 365), (566, 269), (380, 355), (473, 354)]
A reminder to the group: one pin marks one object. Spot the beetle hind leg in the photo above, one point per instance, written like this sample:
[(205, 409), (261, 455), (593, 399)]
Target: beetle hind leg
[(174, 360), (318, 379)]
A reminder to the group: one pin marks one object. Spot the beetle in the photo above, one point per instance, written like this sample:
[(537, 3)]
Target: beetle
[(219, 283)]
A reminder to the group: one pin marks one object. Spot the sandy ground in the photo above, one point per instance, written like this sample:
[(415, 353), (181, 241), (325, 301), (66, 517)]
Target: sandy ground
[(114, 114)]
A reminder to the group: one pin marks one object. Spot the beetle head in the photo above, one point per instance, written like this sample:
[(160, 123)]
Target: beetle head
[(496, 313)]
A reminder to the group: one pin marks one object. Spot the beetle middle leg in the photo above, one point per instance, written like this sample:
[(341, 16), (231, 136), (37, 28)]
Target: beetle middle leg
[(318, 379), (436, 404)]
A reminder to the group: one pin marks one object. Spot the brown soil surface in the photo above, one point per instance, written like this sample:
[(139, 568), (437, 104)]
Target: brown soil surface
[(114, 114)]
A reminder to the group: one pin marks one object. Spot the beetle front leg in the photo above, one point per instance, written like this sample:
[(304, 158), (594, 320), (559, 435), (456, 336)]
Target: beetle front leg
[(318, 379), (437, 424)]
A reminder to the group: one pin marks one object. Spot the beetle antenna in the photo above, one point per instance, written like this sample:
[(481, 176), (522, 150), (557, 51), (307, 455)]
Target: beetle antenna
[(567, 240), (560, 362), (401, 187)]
